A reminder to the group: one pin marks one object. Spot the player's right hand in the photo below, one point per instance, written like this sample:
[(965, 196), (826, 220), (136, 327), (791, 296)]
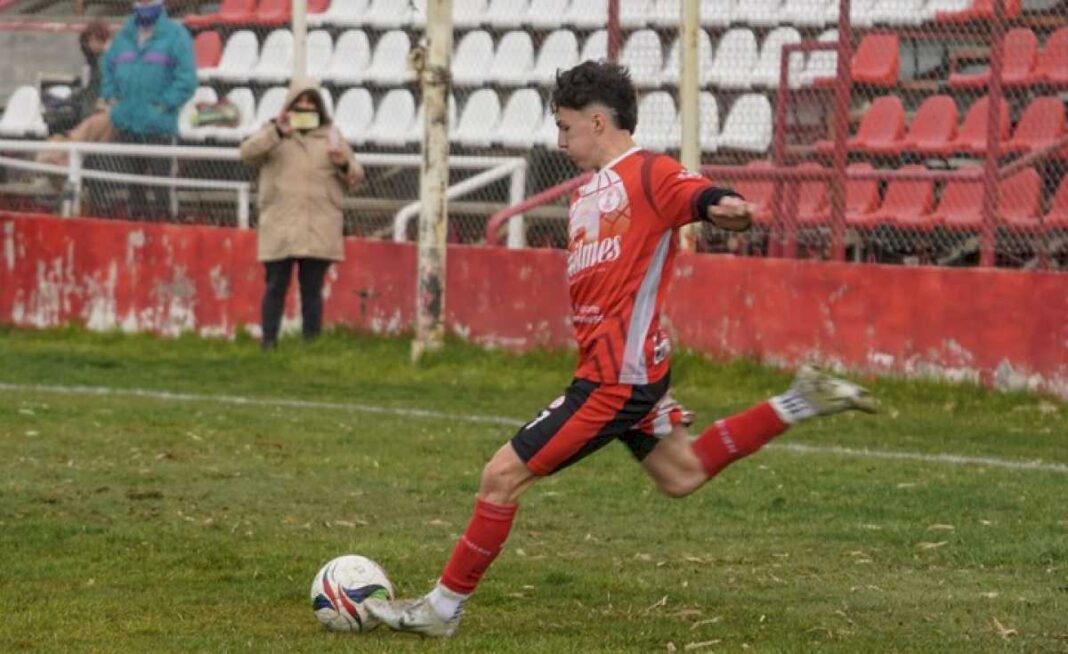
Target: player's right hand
[(732, 214)]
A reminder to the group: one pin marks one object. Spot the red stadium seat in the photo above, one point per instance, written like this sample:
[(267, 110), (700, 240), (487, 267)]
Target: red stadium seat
[(1057, 216), (1041, 123), (877, 60), (811, 197), (273, 12), (880, 130), (1052, 65), (972, 135), (318, 6), (961, 204), (231, 12), (1021, 53), (760, 192), (1020, 200), (907, 203), (862, 197), (208, 49), (980, 10), (934, 127)]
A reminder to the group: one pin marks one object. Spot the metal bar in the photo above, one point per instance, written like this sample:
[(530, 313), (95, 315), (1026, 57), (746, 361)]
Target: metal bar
[(300, 38), (781, 233), (987, 235), (517, 233), (842, 90), (688, 103), (614, 35), (493, 225)]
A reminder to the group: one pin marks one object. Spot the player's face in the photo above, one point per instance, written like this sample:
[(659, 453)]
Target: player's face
[(577, 136)]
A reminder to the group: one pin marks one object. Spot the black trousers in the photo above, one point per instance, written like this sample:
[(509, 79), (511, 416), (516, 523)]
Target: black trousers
[(138, 206), (310, 274)]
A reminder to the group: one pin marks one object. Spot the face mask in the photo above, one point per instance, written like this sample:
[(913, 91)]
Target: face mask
[(303, 119), (147, 15)]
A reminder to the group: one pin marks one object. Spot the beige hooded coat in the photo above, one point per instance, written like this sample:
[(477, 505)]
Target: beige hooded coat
[(300, 189)]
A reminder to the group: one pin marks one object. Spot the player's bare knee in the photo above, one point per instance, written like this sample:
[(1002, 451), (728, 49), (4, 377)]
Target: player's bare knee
[(504, 477)]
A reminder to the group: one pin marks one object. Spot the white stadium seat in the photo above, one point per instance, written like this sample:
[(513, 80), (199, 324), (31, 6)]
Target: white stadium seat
[(355, 113), (547, 14), (643, 55), (351, 58), (467, 14), (547, 132), (717, 13), (507, 14), (667, 13), (389, 64), (860, 13), (595, 48), (673, 67), (271, 104), (245, 102), (559, 51), (238, 57), (935, 7), (658, 122), (808, 13), (748, 125), (758, 13), (388, 14), (587, 14), (708, 114), (736, 56), (342, 13), (186, 129), (478, 120), (821, 63), (393, 118), (469, 63), (766, 71), (634, 14), (520, 120), (276, 60), (317, 51), (514, 60), (898, 12)]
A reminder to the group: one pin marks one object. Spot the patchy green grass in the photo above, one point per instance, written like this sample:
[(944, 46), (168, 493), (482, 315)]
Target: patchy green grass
[(137, 523)]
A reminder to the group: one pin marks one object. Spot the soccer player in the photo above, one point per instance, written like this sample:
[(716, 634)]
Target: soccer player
[(623, 236)]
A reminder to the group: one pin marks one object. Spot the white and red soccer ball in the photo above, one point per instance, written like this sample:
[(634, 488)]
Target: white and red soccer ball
[(340, 588)]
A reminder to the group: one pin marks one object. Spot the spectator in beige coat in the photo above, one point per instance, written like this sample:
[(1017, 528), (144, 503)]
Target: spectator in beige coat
[(305, 167)]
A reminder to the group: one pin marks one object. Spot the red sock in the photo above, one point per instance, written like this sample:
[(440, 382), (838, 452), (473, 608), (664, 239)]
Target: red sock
[(479, 546), (737, 436)]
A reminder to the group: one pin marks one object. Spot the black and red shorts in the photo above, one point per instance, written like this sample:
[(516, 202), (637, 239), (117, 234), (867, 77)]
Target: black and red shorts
[(589, 415)]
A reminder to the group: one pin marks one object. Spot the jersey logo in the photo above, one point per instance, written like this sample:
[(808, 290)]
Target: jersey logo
[(598, 218)]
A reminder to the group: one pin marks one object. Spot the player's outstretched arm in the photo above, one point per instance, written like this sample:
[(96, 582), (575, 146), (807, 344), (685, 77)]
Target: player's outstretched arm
[(731, 213)]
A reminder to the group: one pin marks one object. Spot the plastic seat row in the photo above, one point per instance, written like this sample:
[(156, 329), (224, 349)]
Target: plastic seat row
[(911, 204), (1024, 63), (746, 128), (22, 114), (934, 131)]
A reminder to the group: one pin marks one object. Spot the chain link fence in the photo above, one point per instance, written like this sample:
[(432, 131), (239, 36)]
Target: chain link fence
[(924, 176)]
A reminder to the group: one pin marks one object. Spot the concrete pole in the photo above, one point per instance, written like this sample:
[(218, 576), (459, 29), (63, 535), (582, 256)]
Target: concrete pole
[(688, 102), (300, 38), (433, 71)]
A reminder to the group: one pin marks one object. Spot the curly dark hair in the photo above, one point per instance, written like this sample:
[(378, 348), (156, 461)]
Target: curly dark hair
[(598, 82)]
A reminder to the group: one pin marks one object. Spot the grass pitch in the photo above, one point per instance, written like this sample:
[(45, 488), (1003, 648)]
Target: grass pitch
[(194, 520)]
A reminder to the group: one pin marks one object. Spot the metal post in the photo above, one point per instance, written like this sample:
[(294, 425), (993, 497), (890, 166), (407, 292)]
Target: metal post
[(517, 231), (76, 181), (987, 235), (688, 103), (242, 206), (842, 91), (300, 38), (434, 179), (614, 35)]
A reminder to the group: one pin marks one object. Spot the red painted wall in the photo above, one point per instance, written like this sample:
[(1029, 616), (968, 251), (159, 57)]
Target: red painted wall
[(1002, 327)]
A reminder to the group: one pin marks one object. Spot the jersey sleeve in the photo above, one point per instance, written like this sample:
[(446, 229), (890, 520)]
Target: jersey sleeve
[(674, 191)]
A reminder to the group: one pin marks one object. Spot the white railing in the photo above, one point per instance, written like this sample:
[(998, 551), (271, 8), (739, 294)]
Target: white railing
[(493, 169)]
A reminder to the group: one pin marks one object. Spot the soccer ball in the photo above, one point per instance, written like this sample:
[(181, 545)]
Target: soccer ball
[(341, 586)]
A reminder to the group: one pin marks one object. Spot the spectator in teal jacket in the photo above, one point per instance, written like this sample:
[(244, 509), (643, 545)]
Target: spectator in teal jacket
[(149, 72)]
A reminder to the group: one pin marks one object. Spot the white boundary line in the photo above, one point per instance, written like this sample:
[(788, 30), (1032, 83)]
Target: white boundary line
[(800, 448)]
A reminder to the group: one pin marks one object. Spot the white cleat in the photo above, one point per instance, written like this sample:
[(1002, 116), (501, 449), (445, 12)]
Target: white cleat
[(827, 394), (414, 616)]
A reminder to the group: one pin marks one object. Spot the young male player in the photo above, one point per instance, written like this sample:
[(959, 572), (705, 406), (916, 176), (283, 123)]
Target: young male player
[(623, 233)]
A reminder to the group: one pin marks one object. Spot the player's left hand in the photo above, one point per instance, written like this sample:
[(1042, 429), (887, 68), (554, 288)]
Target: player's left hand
[(732, 214)]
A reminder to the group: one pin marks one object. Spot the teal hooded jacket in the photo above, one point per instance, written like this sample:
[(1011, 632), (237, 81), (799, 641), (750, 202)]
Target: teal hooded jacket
[(150, 83)]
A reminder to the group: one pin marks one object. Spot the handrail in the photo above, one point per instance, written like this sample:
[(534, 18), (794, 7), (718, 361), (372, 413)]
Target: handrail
[(493, 225), (513, 167)]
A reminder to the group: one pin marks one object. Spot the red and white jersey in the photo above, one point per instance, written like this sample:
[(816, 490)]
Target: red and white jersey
[(623, 227)]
